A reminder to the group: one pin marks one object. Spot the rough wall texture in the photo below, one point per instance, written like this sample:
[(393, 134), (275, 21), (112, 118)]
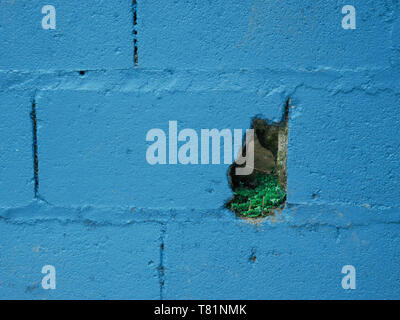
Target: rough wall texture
[(115, 226)]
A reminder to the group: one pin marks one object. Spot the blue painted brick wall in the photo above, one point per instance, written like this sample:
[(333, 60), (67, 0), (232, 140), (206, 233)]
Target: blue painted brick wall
[(115, 226)]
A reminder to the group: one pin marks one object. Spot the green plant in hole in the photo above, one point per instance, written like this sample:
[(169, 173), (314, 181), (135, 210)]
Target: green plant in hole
[(259, 200)]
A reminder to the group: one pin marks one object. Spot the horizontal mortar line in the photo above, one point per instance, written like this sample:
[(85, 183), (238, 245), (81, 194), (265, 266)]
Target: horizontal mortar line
[(139, 88), (151, 90), (158, 89), (256, 224), (87, 222), (322, 217), (40, 204), (200, 70)]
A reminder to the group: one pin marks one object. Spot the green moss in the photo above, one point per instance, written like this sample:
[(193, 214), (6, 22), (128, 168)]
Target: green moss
[(258, 201)]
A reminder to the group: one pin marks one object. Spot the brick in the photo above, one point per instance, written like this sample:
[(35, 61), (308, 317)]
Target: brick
[(92, 262), (93, 146), (259, 34), (229, 259), (343, 148), (16, 162), (87, 36)]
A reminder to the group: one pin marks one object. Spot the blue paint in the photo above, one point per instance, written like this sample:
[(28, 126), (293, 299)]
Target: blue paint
[(280, 261), (110, 160), (16, 183), (272, 34), (87, 36), (354, 161), (91, 262), (115, 226)]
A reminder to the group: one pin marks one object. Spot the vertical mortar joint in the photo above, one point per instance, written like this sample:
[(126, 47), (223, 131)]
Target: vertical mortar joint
[(161, 268), (135, 48), (35, 149)]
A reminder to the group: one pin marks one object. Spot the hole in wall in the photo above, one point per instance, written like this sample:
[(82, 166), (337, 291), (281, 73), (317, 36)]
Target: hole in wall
[(262, 192), (252, 257)]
